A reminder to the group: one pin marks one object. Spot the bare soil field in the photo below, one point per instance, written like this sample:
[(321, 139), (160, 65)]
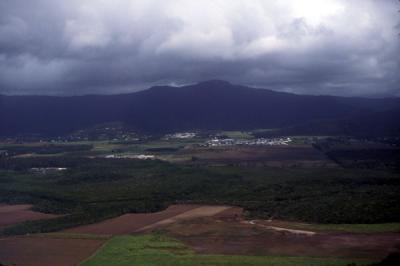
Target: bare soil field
[(50, 249), (139, 222), (232, 236), (202, 211), (13, 214), (35, 251)]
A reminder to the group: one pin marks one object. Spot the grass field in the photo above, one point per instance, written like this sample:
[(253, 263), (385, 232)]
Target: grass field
[(160, 250), (237, 134)]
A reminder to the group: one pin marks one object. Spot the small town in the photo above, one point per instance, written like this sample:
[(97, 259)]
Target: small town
[(130, 156), (183, 135), (253, 142)]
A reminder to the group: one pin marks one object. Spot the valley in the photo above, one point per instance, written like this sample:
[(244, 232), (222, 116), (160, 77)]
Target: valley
[(259, 203)]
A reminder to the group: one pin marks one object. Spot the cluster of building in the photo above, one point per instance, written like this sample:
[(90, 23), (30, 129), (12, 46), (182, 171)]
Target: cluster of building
[(261, 141), (46, 170), (182, 135), (131, 156)]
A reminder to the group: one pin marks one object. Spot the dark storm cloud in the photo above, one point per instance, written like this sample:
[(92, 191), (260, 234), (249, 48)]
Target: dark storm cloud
[(96, 46)]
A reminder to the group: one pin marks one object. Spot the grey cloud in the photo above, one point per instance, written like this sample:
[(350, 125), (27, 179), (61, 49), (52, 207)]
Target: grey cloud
[(90, 46)]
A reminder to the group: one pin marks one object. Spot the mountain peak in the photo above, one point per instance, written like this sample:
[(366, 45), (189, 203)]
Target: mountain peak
[(215, 82), (208, 105)]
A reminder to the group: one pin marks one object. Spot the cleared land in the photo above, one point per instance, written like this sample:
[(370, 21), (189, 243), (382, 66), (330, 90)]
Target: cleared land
[(229, 234), (208, 235), (202, 211), (135, 222), (74, 245), (13, 214)]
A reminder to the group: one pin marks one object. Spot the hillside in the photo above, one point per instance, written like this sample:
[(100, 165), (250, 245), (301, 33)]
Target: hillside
[(207, 105), (368, 124)]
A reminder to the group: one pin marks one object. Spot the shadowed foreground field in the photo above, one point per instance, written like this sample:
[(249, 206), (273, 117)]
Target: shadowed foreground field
[(55, 250)]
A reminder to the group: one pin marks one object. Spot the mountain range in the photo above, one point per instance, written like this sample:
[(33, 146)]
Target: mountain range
[(209, 105)]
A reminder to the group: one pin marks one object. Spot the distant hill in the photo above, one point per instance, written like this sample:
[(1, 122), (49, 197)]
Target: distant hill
[(370, 124), (206, 105)]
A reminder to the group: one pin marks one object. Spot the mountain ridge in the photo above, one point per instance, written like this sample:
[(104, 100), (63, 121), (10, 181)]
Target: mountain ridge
[(213, 83), (211, 104)]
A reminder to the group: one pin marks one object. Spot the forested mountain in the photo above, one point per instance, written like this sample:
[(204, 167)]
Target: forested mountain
[(206, 105)]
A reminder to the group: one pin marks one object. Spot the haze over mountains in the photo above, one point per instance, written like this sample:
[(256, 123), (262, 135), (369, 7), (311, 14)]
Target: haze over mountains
[(204, 106)]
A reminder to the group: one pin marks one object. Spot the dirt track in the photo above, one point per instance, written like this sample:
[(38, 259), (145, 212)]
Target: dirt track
[(282, 229), (13, 214)]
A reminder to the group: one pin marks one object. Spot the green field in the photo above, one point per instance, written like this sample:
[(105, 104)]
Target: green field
[(97, 148), (160, 250), (237, 134)]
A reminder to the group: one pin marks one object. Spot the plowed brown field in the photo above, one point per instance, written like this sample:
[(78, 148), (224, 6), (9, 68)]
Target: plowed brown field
[(135, 222), (35, 251), (13, 214)]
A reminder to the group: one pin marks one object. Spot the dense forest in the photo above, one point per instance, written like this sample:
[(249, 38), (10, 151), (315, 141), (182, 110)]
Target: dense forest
[(95, 189)]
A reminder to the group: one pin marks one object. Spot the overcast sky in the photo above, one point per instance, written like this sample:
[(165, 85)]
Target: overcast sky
[(337, 47)]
